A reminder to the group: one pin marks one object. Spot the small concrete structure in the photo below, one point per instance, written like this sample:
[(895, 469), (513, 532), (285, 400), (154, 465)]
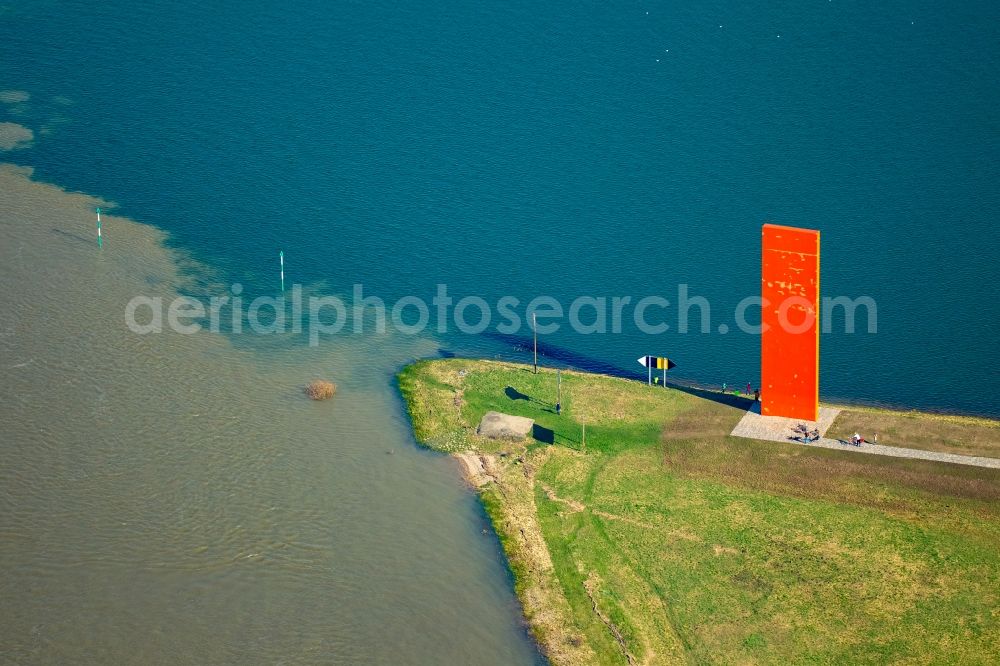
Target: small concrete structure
[(505, 426)]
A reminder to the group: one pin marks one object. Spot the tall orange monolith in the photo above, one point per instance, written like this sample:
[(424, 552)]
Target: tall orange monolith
[(789, 350)]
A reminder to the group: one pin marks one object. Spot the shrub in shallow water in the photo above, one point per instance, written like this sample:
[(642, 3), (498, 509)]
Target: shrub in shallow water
[(321, 390)]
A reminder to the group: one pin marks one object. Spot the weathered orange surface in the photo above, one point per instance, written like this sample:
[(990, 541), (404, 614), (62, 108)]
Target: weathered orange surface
[(789, 354)]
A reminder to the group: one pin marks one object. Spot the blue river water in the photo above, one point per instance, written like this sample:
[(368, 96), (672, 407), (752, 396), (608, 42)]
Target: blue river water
[(565, 149)]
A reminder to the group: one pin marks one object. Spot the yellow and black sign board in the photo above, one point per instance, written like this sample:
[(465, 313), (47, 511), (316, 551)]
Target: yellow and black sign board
[(658, 362)]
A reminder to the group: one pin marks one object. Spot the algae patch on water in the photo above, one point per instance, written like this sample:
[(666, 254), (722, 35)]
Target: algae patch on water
[(320, 389)]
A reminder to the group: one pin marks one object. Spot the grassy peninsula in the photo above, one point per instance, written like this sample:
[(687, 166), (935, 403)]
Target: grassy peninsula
[(665, 540)]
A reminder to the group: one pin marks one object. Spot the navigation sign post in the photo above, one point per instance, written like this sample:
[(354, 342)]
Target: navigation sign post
[(100, 241), (558, 391), (658, 362)]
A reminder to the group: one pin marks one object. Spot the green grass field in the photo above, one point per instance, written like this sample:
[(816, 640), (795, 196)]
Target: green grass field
[(664, 540)]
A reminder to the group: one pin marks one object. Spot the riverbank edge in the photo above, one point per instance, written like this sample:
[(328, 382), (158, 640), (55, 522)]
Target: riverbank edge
[(505, 486)]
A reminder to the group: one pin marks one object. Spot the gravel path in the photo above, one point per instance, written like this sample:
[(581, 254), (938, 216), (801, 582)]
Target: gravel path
[(778, 429)]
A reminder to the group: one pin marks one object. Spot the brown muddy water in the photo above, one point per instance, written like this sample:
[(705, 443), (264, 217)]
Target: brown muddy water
[(174, 499)]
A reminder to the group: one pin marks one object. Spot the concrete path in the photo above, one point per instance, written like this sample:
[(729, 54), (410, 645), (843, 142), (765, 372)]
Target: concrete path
[(779, 429)]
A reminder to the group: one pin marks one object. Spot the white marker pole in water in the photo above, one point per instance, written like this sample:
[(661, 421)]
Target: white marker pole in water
[(100, 241), (281, 256)]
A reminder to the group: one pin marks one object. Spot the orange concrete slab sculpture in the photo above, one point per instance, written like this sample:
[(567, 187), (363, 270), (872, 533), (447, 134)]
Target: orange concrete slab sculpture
[(789, 354)]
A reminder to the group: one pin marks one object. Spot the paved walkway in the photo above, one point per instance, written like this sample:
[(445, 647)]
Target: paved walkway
[(779, 429)]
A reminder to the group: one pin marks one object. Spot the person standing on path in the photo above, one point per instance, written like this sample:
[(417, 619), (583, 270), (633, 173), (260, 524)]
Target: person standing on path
[(749, 388), (875, 438)]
